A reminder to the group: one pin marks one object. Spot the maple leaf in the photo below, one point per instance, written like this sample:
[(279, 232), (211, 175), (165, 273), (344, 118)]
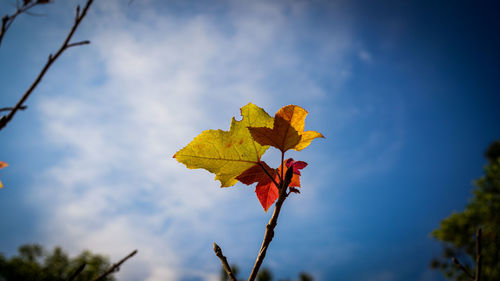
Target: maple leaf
[(288, 130), (227, 154), (267, 192), (2, 165)]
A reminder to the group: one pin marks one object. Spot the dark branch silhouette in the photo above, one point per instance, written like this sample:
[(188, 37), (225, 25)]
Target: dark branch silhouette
[(457, 263), (52, 58), (22, 107), (477, 275), (77, 272), (478, 255), (115, 267), (7, 20)]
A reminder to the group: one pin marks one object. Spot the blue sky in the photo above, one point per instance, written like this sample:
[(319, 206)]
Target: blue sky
[(406, 94)]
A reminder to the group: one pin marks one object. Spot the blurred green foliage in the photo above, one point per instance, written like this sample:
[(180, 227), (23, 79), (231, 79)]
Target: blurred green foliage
[(458, 230), (264, 275), (34, 263)]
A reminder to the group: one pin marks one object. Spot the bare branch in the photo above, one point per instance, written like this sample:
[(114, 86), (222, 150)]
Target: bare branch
[(7, 20), (77, 272), (23, 107), (115, 267), (225, 264), (78, 43), (66, 44)]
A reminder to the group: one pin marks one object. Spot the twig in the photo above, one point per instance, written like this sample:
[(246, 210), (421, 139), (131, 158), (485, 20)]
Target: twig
[(115, 267), (463, 268), (478, 255), (22, 107), (268, 236), (223, 260), (77, 272), (477, 276), (7, 20), (66, 44)]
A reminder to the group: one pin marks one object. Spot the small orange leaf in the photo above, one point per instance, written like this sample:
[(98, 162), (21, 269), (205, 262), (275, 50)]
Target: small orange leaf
[(2, 165), (288, 130)]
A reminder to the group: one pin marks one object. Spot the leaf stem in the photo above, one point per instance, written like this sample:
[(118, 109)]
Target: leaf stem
[(269, 175), (282, 168)]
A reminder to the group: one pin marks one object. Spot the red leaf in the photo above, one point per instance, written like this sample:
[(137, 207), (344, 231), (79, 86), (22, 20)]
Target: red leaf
[(297, 165), (257, 174), (267, 194)]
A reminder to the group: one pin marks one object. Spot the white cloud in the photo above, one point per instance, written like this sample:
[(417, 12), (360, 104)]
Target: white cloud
[(146, 86)]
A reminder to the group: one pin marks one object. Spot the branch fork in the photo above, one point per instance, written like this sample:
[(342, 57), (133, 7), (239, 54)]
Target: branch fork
[(271, 225), (7, 21)]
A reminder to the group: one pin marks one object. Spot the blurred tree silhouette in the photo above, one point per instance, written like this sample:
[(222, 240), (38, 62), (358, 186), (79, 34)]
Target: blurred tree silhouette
[(458, 230), (264, 275), (36, 264)]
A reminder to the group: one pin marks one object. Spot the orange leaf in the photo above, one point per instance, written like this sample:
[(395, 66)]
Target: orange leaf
[(2, 165), (288, 130)]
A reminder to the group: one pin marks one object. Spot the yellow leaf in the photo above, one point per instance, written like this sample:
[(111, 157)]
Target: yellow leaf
[(227, 154), (288, 130)]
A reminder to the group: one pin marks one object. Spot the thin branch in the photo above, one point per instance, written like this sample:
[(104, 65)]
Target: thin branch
[(463, 268), (478, 255), (77, 272), (223, 260), (115, 267), (268, 236), (23, 107), (78, 43), (66, 44), (7, 20), (477, 276)]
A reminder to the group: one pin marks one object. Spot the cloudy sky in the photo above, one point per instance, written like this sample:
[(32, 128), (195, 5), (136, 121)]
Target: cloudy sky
[(406, 93)]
